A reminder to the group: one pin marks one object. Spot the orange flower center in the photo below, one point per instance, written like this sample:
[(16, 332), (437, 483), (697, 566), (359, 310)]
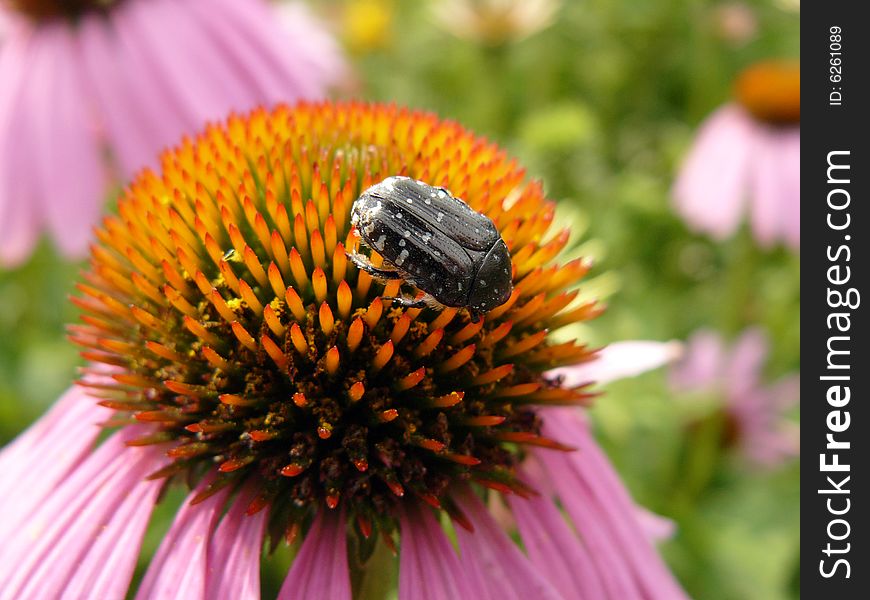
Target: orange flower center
[(771, 91), (222, 295)]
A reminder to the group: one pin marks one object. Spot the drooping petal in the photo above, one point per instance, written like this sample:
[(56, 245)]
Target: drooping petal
[(39, 459), (775, 185), (68, 157), (320, 569), (326, 66), (554, 548), (494, 561), (19, 221), (701, 364), (429, 568), (178, 569), (63, 533), (139, 116), (656, 527), (710, 192), (603, 512), (108, 567), (742, 371), (618, 361), (234, 555)]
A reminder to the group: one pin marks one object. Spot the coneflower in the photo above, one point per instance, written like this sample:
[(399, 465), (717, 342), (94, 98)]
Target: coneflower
[(236, 347), (92, 90), (746, 159)]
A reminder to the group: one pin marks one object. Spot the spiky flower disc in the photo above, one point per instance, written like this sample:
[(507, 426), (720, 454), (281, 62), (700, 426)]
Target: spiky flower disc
[(222, 297)]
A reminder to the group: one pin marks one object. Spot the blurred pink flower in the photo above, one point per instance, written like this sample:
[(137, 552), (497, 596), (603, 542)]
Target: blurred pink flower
[(754, 411), (80, 92), (746, 158), (80, 515)]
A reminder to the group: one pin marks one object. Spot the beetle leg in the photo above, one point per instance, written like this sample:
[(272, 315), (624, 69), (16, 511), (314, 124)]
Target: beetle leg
[(363, 262), (407, 302)]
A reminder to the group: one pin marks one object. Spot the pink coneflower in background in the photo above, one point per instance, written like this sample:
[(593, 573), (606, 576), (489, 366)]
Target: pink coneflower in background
[(242, 351), (746, 158), (94, 89), (754, 412)]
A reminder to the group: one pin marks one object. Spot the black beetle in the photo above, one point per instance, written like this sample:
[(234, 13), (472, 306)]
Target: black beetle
[(435, 242)]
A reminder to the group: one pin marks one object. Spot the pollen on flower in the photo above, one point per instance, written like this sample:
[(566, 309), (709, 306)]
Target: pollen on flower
[(771, 91), (222, 297)]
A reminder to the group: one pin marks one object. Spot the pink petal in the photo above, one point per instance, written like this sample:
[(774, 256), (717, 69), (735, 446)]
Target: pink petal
[(702, 362), (603, 512), (320, 569), (775, 183), (106, 570), (656, 527), (178, 569), (39, 459), (19, 222), (276, 61), (429, 568), (42, 554), (234, 555), (493, 560), (710, 192), (68, 156), (618, 361), (326, 65), (554, 549), (120, 94), (742, 372)]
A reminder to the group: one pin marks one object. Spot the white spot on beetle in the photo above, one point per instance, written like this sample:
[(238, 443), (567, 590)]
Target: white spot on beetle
[(398, 215), (459, 286), (379, 243), (403, 255), (482, 283), (440, 217), (409, 201), (407, 233), (402, 243), (428, 201)]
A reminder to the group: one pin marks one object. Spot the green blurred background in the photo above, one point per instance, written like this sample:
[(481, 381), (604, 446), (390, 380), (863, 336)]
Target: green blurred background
[(601, 104)]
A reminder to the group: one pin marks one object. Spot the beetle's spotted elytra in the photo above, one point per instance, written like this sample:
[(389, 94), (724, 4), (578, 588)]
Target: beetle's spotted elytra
[(434, 241)]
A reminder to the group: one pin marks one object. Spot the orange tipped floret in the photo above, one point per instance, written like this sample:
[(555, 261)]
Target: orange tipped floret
[(298, 339), (274, 352), (410, 380), (383, 355), (294, 302), (354, 334), (297, 267), (458, 359), (243, 336), (429, 343), (273, 321), (345, 299), (332, 360), (318, 281), (327, 320), (356, 391)]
